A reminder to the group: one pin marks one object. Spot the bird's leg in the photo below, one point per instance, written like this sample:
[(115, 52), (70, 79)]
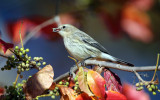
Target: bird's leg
[(83, 61)]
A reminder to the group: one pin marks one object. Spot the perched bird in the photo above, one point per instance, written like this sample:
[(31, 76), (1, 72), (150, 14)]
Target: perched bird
[(81, 46)]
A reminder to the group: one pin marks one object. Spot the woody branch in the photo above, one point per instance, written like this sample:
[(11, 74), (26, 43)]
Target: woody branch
[(110, 65)]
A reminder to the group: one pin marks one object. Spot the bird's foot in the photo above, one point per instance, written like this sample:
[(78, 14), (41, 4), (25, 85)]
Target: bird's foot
[(71, 72)]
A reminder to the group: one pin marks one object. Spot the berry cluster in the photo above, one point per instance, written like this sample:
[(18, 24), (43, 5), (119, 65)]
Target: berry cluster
[(51, 93), (151, 87), (22, 61), (15, 93), (63, 82), (76, 87), (54, 93)]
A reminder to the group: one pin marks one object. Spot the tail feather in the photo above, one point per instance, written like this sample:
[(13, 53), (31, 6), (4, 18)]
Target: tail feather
[(108, 57), (124, 63)]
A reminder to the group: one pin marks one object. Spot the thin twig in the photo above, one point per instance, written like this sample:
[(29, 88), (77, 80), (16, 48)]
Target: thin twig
[(138, 76)]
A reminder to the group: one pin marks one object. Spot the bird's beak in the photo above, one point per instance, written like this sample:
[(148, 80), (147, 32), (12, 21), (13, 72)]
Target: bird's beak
[(56, 29)]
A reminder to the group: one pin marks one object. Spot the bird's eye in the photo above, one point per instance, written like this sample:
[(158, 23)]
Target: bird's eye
[(64, 27)]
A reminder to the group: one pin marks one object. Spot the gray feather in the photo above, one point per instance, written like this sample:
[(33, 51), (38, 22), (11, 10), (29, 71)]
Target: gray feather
[(90, 41)]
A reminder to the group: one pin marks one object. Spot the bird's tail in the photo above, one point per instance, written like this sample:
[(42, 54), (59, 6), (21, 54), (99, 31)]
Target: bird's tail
[(108, 57)]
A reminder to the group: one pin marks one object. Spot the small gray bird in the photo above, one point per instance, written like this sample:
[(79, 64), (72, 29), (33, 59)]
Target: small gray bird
[(81, 46)]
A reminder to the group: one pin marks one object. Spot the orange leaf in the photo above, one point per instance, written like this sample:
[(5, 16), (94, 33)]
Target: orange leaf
[(96, 83), (66, 93), (82, 80), (113, 95), (52, 86), (132, 94), (83, 96), (39, 82)]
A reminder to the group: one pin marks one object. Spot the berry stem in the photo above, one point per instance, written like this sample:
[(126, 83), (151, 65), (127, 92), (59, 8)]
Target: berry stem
[(3, 56), (156, 68), (20, 34), (16, 80)]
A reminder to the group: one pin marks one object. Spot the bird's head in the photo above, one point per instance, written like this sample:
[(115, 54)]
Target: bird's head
[(65, 30)]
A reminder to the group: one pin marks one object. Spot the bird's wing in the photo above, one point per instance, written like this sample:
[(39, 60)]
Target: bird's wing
[(90, 41)]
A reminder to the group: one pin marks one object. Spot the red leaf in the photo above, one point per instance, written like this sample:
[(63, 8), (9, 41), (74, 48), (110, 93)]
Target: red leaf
[(23, 26), (1, 91), (132, 94), (96, 83), (113, 95), (142, 4), (111, 23), (5, 46), (112, 81)]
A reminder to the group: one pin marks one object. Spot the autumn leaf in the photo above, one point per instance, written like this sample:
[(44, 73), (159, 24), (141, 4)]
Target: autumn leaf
[(96, 83), (136, 23), (132, 94), (83, 96), (66, 93), (82, 80), (5, 46), (39, 82), (2, 90), (142, 4), (112, 23), (52, 87), (21, 26), (113, 95), (112, 81)]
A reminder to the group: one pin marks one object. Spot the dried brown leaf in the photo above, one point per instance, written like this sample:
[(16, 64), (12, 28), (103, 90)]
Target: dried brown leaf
[(39, 82)]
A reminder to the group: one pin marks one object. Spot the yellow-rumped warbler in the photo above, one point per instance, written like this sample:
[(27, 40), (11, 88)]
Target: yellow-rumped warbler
[(81, 46)]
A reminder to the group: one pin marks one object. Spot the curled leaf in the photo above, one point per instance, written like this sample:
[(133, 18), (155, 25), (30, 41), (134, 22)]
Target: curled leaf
[(96, 83), (82, 80), (39, 82)]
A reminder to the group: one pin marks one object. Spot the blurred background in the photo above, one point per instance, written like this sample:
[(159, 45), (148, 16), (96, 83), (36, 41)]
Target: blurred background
[(128, 29)]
